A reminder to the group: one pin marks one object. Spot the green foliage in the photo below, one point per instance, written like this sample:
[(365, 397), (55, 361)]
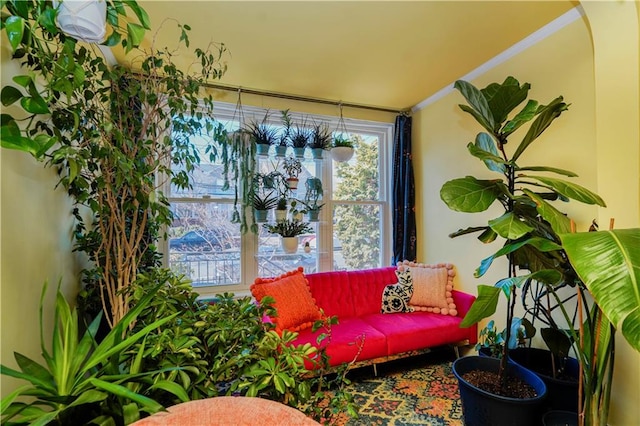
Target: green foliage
[(608, 263), (320, 137), (530, 224), (225, 348), (84, 381), (292, 167), (489, 337), (265, 202), (261, 132), (106, 131), (344, 141), (288, 228), (313, 193), (358, 233)]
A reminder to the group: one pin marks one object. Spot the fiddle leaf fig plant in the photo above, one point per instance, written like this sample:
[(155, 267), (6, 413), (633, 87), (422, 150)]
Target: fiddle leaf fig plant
[(114, 134), (530, 223)]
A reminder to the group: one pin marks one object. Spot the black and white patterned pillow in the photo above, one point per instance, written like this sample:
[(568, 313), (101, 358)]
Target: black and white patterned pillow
[(396, 297)]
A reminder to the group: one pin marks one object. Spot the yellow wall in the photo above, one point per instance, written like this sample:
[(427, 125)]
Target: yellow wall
[(597, 138), (35, 231)]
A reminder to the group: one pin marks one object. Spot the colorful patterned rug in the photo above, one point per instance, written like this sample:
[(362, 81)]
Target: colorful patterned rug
[(420, 390)]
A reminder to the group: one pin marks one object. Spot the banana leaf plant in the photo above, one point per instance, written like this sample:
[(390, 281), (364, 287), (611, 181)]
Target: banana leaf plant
[(530, 223), (608, 263), (83, 382)]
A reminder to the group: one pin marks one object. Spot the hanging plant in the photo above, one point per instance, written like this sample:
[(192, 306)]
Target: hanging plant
[(342, 146)]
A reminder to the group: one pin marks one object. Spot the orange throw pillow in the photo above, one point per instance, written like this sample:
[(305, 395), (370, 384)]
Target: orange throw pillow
[(432, 287), (295, 307)]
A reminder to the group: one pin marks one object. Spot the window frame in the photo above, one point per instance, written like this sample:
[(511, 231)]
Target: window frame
[(383, 131)]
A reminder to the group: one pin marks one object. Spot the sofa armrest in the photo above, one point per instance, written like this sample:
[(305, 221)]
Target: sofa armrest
[(463, 303)]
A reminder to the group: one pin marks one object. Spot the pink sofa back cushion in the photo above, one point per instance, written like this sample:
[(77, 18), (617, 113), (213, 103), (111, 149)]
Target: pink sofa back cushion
[(367, 287), (332, 292)]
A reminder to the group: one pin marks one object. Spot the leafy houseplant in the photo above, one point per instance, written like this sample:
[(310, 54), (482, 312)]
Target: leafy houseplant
[(283, 138), (320, 140), (223, 347), (312, 196), (262, 134), (289, 230), (342, 148), (262, 203), (300, 136), (292, 168), (105, 130), (530, 224), (608, 264), (84, 382)]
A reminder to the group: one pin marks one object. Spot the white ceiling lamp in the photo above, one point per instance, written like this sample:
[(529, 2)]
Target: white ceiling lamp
[(84, 20)]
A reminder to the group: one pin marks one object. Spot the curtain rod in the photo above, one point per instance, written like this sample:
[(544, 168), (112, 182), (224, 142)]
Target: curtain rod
[(303, 98)]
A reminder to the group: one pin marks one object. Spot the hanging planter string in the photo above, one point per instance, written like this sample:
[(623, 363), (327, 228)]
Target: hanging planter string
[(342, 148)]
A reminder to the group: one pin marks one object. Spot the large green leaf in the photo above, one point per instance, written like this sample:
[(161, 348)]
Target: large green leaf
[(559, 222), (547, 169), (470, 195), (479, 106), (486, 150), (542, 244), (484, 306), (525, 115), (503, 98), (14, 26), (509, 226), (547, 114), (608, 262), (570, 190)]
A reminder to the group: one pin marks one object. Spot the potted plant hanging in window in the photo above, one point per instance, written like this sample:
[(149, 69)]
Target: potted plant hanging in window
[(320, 140), (342, 148), (299, 137), (289, 230), (312, 195), (292, 168), (262, 134)]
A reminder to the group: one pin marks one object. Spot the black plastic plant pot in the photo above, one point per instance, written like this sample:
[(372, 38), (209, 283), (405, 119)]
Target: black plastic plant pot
[(482, 408), (560, 418), (562, 392)]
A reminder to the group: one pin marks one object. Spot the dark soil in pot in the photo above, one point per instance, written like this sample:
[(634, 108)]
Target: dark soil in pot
[(490, 382)]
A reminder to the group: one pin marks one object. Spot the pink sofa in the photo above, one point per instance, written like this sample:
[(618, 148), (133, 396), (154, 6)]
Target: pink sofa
[(355, 297)]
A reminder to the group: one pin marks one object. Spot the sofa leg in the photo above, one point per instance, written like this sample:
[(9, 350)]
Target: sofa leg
[(375, 370), (457, 351)]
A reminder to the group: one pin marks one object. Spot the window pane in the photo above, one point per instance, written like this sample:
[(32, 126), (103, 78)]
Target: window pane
[(207, 177), (359, 178), (204, 245), (356, 232), (272, 260)]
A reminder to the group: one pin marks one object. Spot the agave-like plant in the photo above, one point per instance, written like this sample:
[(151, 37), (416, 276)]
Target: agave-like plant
[(82, 381)]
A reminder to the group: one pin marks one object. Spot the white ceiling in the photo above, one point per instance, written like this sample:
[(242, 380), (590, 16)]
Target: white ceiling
[(381, 53)]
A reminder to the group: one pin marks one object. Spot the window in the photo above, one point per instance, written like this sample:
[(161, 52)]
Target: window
[(353, 230)]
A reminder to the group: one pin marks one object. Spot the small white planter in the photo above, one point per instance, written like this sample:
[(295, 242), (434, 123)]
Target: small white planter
[(289, 244), (341, 153), (84, 20)]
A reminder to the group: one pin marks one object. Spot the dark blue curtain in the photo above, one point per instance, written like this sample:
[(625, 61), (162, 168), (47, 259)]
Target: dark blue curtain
[(404, 194)]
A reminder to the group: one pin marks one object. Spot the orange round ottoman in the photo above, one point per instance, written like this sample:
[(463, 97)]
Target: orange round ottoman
[(228, 411)]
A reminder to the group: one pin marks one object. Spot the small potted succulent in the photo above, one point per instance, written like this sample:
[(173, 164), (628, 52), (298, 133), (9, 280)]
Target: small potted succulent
[(320, 140), (292, 168), (289, 230), (342, 148), (281, 209)]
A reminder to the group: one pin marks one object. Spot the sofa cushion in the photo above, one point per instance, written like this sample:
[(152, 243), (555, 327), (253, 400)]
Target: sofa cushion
[(346, 337), (332, 293), (295, 307), (417, 330), (367, 287), (396, 297), (432, 287)]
